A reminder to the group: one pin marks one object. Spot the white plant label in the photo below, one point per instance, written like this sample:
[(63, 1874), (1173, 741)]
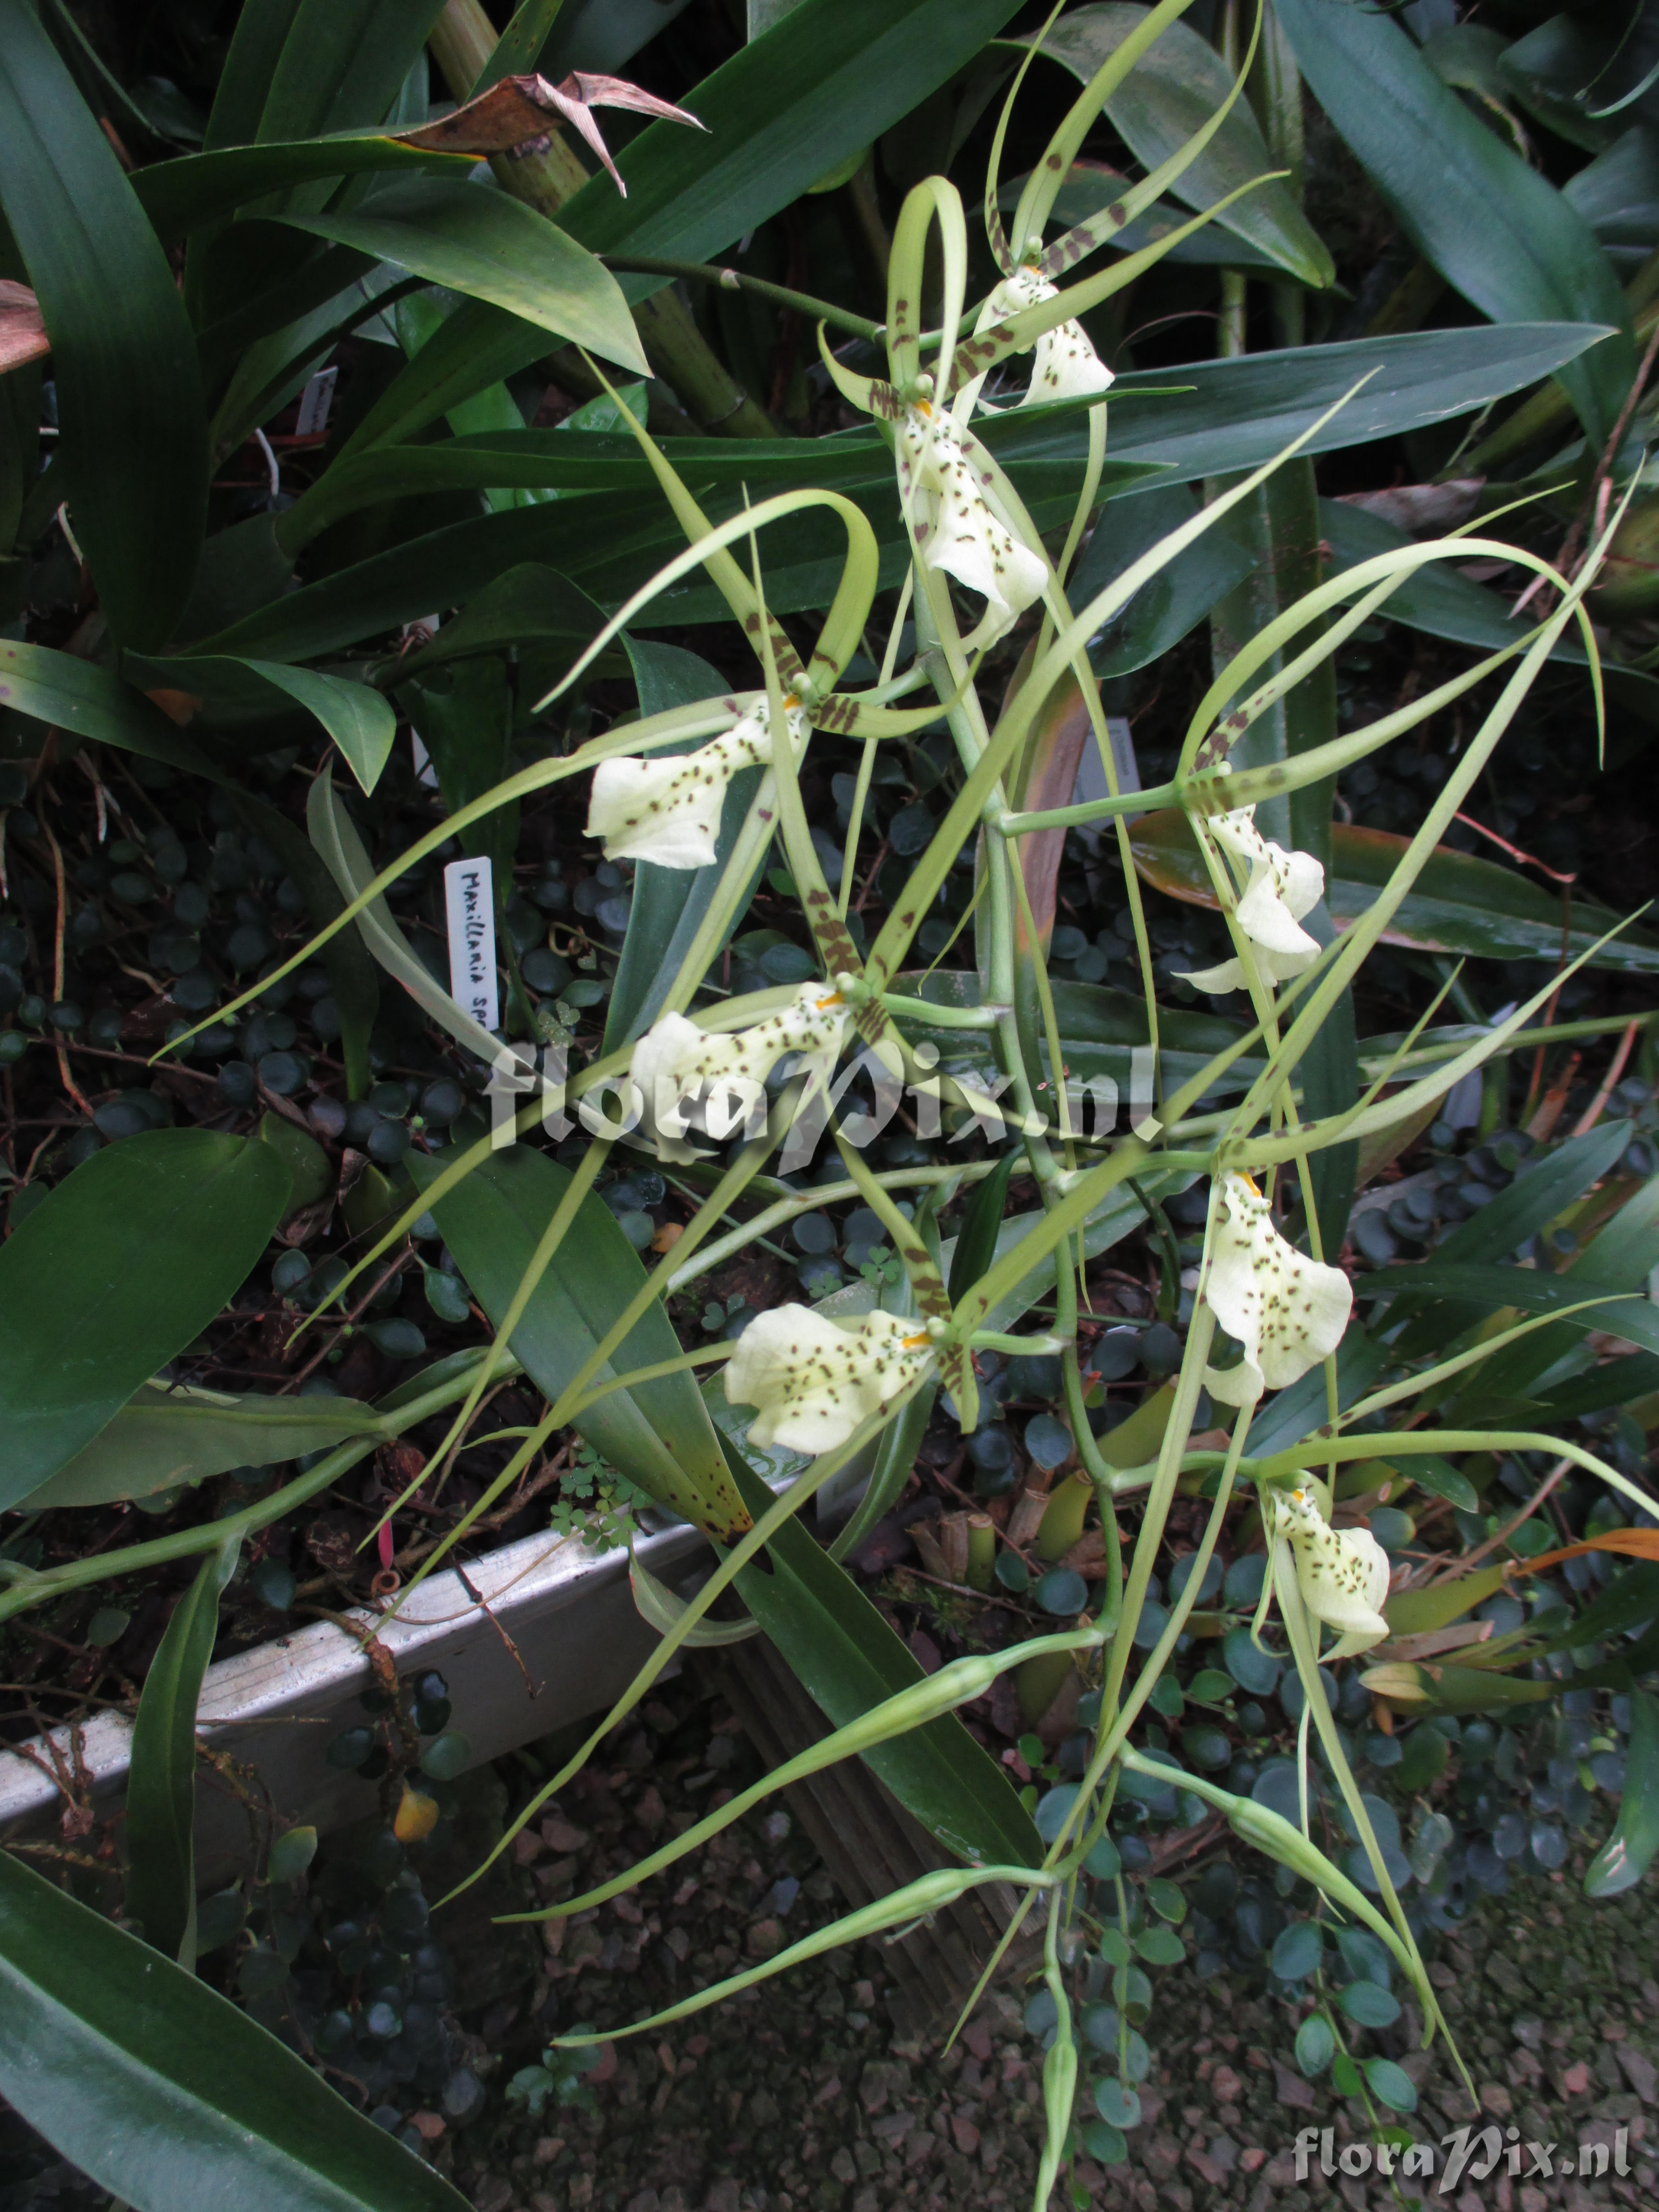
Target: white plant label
[(470, 904), (315, 402)]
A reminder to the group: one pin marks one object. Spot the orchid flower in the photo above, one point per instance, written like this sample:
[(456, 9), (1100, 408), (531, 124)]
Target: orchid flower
[(668, 809), (1288, 1311), (1342, 1573), (816, 1382), (1067, 366), (1282, 887), (680, 1071), (956, 529)]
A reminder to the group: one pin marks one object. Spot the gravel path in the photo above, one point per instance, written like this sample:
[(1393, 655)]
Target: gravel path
[(796, 2095)]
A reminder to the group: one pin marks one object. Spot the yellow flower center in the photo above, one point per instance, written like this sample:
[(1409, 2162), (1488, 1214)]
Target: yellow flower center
[(914, 1343)]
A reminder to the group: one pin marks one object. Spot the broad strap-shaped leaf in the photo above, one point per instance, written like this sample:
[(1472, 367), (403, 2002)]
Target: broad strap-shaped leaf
[(529, 608), (340, 66), (1170, 93), (181, 196), (359, 720), (164, 2092), (1629, 1851), (336, 839), (848, 1659), (128, 1260), (61, 688), (659, 1433), (493, 248), (1495, 229), (1221, 414), (162, 1781), (173, 1433), (134, 450)]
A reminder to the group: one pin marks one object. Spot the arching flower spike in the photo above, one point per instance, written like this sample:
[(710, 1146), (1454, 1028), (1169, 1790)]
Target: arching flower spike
[(1288, 1311), (816, 1382)]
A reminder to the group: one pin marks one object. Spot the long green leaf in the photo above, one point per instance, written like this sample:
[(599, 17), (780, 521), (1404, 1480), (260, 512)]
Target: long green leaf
[(1168, 95), (201, 188), (73, 694), (1495, 229), (359, 720), (1629, 1850), (528, 609), (1174, 601), (162, 1781), (1473, 1290), (342, 65), (976, 1240), (335, 836), (166, 2093), (128, 1260), (171, 1434), (658, 1433), (134, 450), (478, 241), (1221, 416), (848, 1660)]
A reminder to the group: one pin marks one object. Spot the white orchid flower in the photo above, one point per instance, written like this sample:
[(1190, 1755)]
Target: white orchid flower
[(1282, 887), (690, 1077), (956, 529), (1067, 366), (1288, 1311), (1342, 1573), (668, 809), (816, 1382)]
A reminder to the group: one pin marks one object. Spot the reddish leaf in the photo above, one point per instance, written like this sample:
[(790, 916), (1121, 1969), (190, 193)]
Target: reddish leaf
[(1639, 1543)]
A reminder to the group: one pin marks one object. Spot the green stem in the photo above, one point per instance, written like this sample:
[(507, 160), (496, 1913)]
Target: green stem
[(734, 280)]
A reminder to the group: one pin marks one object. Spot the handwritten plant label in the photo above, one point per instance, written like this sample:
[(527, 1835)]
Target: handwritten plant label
[(470, 902)]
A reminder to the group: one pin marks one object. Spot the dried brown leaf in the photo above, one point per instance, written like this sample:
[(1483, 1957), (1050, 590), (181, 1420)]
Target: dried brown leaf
[(23, 334), (518, 111)]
